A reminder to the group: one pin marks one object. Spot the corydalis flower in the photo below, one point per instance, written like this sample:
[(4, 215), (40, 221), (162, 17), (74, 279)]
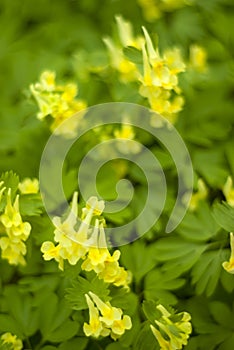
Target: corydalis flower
[(229, 265), (104, 319), (15, 231), (59, 102), (28, 186), (172, 330), (11, 341), (228, 191)]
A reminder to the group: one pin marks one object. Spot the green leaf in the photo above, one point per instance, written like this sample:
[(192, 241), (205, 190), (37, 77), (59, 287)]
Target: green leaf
[(20, 306), (9, 324), (159, 284), (206, 272), (127, 301), (11, 180), (198, 226), (66, 330), (224, 215), (81, 286), (55, 324), (179, 255), (133, 54), (138, 258), (30, 204), (146, 339), (79, 343), (150, 310), (221, 313)]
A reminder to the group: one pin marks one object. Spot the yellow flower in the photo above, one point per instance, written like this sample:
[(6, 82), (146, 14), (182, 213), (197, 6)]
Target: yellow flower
[(13, 250), (125, 32), (11, 216), (94, 328), (198, 58), (228, 191), (125, 135), (29, 186), (9, 339), (154, 9), (171, 334), (104, 319), (16, 231), (229, 265), (160, 78), (199, 195), (109, 313), (119, 326), (58, 101), (94, 204)]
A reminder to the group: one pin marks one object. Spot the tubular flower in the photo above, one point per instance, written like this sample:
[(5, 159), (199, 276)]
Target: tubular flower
[(172, 330), (57, 101), (16, 232), (95, 327), (229, 265), (105, 319), (127, 70), (125, 135), (199, 195), (29, 186), (228, 191), (11, 341), (198, 58), (154, 9)]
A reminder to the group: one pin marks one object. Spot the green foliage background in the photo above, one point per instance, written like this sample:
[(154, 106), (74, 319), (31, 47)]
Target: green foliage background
[(184, 268)]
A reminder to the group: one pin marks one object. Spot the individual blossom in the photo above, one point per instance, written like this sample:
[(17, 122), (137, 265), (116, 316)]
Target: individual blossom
[(59, 102), (198, 58), (154, 9), (15, 232), (28, 186), (201, 194), (95, 327), (12, 342), (127, 70), (172, 329), (126, 136), (229, 265), (104, 319), (228, 191)]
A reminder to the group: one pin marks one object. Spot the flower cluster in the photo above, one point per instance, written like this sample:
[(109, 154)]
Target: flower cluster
[(104, 319), (229, 265), (15, 232), (11, 342), (77, 241), (58, 102), (159, 79), (154, 9), (172, 330), (159, 82)]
